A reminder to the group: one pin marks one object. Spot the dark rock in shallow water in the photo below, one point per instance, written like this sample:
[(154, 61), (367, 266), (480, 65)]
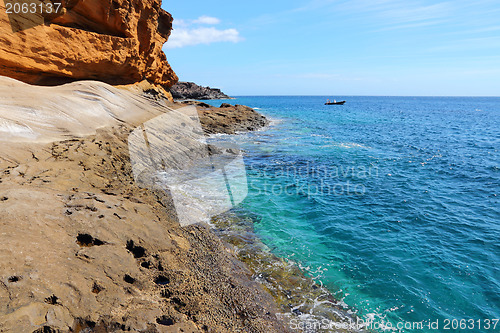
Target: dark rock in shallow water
[(228, 119), (190, 90)]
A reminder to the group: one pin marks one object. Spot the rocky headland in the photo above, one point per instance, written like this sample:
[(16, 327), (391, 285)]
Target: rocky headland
[(190, 90)]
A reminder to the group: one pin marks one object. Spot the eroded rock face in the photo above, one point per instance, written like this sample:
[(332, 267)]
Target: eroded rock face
[(115, 41)]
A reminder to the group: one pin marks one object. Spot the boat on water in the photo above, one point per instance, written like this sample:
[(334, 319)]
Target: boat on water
[(335, 103)]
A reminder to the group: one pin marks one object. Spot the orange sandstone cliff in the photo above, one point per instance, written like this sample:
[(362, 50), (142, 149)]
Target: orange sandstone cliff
[(114, 41)]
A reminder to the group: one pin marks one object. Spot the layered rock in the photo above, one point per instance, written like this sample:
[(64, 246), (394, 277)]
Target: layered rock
[(190, 90), (83, 248), (115, 41)]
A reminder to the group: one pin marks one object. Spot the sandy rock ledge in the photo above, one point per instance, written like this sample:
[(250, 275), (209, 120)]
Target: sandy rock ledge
[(83, 249)]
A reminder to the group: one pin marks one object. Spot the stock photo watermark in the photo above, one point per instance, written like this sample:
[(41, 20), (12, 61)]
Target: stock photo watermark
[(170, 153), (311, 180), (27, 14), (446, 324)]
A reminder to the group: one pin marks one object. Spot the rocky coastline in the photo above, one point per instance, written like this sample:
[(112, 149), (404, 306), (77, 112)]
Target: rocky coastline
[(84, 248), (190, 90), (228, 119)]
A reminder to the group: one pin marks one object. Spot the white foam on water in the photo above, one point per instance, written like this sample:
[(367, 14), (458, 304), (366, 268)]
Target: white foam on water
[(274, 121), (351, 145)]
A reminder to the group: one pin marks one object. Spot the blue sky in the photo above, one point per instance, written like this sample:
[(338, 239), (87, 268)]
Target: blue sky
[(328, 47)]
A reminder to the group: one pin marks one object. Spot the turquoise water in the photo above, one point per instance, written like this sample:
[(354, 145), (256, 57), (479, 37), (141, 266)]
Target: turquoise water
[(392, 202)]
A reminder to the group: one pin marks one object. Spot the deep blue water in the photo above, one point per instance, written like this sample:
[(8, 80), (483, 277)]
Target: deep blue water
[(392, 201)]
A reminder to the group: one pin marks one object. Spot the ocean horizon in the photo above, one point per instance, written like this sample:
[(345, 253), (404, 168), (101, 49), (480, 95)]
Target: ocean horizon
[(342, 96), (391, 203)]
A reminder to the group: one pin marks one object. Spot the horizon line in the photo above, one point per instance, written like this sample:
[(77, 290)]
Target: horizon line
[(454, 96)]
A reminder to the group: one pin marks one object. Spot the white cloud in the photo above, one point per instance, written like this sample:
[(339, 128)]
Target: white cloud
[(180, 23), (187, 37), (207, 20), (189, 32)]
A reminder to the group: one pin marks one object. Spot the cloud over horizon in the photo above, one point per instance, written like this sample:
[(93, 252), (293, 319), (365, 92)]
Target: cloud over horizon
[(200, 31), (207, 20)]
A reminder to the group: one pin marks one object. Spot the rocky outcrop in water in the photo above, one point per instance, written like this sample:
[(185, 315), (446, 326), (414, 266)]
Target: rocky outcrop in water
[(190, 90), (228, 119), (114, 41)]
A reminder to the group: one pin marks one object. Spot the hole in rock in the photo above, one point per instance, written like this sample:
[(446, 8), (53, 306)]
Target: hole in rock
[(13, 279), (96, 289), (52, 300), (164, 320), (127, 278), (162, 280), (46, 329), (137, 251), (87, 240)]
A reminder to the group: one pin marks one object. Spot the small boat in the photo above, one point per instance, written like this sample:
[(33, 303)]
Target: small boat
[(335, 103)]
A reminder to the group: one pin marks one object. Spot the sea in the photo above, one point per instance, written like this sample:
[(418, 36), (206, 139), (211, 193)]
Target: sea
[(391, 203)]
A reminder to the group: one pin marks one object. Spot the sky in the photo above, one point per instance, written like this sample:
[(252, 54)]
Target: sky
[(338, 47)]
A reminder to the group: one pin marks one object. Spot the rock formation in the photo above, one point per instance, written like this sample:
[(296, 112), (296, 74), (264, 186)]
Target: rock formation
[(83, 248), (190, 90), (115, 41), (228, 119)]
